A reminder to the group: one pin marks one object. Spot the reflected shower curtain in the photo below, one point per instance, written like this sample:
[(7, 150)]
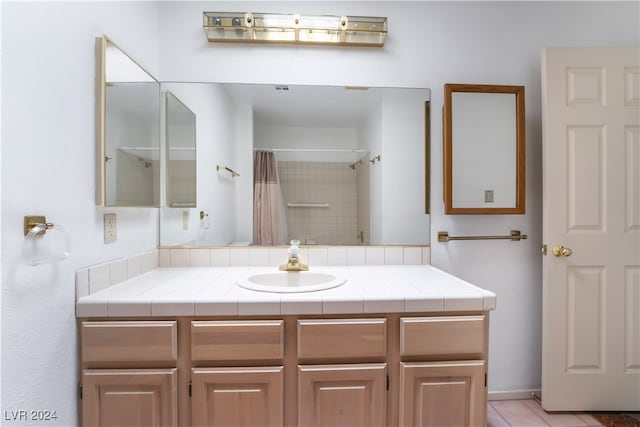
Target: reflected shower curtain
[(268, 208)]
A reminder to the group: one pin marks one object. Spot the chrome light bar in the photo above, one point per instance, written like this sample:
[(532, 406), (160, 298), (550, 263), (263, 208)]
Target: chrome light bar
[(295, 29)]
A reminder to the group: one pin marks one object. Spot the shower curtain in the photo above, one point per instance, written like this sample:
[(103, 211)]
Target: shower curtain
[(269, 225)]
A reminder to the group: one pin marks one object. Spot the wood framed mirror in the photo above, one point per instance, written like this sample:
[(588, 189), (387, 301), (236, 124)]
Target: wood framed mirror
[(484, 149), (127, 130)]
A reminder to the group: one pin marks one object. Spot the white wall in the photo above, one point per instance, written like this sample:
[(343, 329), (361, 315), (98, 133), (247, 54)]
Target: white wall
[(244, 164), (403, 172), (48, 152), (48, 168), (308, 138), (429, 44)]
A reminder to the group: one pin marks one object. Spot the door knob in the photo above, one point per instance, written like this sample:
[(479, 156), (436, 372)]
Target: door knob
[(562, 251)]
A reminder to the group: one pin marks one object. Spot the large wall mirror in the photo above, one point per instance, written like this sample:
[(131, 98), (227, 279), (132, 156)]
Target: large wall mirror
[(128, 130), (348, 166), (484, 153)]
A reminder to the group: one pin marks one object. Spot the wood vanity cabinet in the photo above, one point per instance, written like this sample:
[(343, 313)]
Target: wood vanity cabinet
[(378, 370), (443, 371), (129, 373), (335, 387), (251, 391)]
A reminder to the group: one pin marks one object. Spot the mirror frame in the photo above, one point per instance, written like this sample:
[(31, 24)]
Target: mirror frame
[(447, 117)]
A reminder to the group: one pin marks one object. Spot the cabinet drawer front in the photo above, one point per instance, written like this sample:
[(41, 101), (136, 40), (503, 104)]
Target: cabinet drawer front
[(237, 340), (341, 338), (129, 341), (450, 335)]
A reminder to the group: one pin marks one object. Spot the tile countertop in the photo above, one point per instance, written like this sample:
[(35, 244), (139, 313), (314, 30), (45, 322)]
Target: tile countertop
[(202, 291)]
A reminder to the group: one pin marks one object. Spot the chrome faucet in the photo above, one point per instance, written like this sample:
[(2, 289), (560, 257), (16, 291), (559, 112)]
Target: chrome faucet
[(294, 264)]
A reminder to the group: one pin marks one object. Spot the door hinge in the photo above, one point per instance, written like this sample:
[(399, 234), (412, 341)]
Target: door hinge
[(544, 249), (387, 382), (189, 388), (80, 391), (485, 379)]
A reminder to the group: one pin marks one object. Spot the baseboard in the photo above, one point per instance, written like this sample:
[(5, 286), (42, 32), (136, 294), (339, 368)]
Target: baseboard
[(514, 395)]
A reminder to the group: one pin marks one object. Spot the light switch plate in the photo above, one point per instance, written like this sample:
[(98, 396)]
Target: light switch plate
[(488, 196), (110, 228), (185, 220)]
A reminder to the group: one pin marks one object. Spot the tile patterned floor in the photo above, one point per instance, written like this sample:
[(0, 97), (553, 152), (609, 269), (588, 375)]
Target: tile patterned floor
[(529, 413)]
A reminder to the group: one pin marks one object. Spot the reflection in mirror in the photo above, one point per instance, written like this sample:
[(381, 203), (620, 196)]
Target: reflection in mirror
[(128, 110), (484, 149), (180, 138), (349, 165)]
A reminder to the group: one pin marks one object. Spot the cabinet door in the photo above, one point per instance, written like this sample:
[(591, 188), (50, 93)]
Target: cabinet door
[(443, 394), (245, 397), (342, 395), (129, 398)]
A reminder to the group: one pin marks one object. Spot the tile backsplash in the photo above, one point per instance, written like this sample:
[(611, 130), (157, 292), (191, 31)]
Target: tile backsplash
[(260, 256), (94, 278)]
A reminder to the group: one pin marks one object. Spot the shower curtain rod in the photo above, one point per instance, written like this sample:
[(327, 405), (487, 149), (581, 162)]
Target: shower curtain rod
[(312, 150)]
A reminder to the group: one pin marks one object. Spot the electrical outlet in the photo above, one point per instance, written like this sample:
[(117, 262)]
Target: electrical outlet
[(110, 228)]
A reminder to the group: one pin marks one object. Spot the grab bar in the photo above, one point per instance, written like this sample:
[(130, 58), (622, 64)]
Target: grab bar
[(516, 236), (308, 205)]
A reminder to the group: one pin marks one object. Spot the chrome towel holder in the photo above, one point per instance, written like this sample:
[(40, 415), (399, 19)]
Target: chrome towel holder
[(516, 236)]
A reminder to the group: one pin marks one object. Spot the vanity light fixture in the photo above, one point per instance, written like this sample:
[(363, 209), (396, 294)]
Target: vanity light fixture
[(295, 29)]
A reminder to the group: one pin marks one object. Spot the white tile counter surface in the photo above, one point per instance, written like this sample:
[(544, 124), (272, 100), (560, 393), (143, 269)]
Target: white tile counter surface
[(212, 291)]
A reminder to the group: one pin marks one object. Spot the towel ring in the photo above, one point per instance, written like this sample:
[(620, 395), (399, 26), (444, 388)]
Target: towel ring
[(34, 232)]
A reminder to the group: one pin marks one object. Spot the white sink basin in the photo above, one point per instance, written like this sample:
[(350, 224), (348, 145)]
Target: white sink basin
[(291, 281)]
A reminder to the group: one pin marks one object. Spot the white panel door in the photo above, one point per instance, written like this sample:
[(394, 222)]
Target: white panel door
[(591, 217)]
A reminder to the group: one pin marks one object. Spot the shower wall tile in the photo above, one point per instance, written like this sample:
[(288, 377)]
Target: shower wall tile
[(135, 186), (328, 183)]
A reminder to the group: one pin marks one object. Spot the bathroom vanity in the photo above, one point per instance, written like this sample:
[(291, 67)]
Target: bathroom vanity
[(393, 346)]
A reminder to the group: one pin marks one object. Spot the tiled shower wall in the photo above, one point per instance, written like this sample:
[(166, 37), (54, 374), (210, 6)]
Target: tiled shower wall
[(135, 179), (332, 183)]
